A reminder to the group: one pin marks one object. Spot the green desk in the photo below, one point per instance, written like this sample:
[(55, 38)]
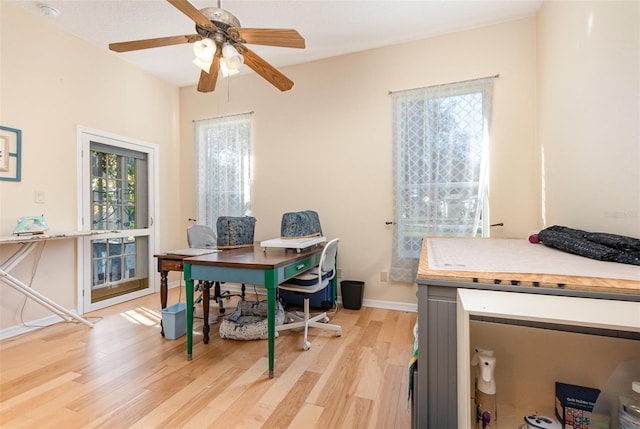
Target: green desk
[(251, 266)]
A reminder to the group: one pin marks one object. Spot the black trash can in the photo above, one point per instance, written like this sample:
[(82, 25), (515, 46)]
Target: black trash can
[(352, 293)]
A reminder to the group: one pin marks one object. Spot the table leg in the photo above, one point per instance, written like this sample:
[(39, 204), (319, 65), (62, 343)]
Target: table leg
[(163, 295), (163, 288), (206, 296), (271, 283), (189, 292)]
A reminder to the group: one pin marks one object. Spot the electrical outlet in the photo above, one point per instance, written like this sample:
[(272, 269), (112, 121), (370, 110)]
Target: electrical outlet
[(339, 273), (384, 276)]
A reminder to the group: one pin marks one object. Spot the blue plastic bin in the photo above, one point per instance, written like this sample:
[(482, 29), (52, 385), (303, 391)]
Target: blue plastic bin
[(174, 321)]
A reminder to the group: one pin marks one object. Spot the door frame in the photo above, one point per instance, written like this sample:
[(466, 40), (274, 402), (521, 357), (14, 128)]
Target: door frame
[(83, 137)]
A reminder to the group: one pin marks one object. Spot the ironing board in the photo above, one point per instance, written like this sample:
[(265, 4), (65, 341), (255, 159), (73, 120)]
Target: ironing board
[(28, 244)]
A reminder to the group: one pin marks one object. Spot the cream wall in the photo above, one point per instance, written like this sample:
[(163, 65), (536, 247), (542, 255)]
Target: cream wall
[(589, 114), (565, 86), (50, 83), (326, 144)]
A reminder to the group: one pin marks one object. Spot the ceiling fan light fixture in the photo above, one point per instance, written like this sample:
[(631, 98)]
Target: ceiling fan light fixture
[(203, 64), (204, 49), (225, 70), (233, 58), (217, 29)]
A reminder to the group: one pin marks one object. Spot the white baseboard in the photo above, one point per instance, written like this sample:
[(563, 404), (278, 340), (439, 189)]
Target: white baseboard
[(14, 331), (390, 305), (374, 303)]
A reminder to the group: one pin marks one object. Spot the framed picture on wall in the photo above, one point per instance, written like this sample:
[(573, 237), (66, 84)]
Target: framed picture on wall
[(10, 153), (4, 153)]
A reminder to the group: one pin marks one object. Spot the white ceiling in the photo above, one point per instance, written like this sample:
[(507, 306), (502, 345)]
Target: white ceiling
[(330, 27)]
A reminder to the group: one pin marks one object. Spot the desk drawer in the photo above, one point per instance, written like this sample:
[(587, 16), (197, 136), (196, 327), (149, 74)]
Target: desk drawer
[(298, 267), (170, 265)]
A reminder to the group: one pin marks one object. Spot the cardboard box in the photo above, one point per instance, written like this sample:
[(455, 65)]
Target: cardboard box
[(574, 405)]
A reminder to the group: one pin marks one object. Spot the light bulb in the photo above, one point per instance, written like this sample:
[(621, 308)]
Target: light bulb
[(204, 49), (233, 57), (225, 70), (203, 64)]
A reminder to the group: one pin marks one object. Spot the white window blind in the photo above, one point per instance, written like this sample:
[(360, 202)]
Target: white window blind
[(440, 157), (223, 169)]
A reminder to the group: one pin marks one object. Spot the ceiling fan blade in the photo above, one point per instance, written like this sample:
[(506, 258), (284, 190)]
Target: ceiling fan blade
[(190, 10), (284, 37), (135, 45), (207, 81), (266, 70)]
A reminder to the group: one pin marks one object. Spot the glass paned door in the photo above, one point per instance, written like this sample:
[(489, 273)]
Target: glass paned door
[(117, 179), (117, 207)]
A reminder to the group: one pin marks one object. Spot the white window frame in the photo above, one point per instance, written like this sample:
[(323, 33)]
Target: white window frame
[(429, 213), (214, 183)]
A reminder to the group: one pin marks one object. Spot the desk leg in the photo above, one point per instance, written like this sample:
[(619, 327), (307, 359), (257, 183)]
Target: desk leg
[(163, 295), (271, 283), (206, 296), (189, 292)]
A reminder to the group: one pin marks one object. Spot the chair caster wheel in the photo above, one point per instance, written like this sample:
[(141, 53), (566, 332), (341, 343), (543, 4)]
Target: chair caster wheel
[(338, 333), (221, 311), (326, 319), (306, 345)]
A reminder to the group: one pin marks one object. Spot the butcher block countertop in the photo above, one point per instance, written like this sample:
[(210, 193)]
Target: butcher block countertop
[(516, 262)]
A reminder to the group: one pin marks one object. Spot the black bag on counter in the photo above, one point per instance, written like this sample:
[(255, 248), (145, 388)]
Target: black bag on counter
[(595, 245)]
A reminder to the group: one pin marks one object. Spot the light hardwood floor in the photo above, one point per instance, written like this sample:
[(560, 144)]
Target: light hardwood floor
[(123, 374)]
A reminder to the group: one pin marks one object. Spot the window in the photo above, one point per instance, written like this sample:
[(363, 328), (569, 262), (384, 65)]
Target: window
[(223, 178), (441, 137)]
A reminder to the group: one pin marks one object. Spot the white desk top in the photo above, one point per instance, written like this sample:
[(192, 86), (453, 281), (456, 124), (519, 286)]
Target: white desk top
[(568, 310), (192, 251)]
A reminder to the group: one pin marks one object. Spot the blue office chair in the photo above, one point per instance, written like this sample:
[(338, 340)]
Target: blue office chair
[(203, 237), (310, 282)]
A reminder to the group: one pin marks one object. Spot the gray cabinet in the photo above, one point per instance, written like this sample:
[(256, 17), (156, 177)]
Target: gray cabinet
[(436, 386)]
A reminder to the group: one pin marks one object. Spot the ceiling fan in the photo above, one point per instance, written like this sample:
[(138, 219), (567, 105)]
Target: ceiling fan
[(219, 45)]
